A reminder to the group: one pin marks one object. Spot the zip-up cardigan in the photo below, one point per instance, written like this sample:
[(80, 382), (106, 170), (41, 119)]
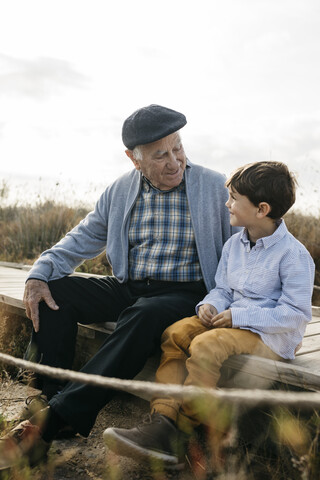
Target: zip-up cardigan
[(107, 226)]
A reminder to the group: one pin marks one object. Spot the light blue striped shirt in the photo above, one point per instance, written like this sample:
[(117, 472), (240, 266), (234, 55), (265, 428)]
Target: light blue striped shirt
[(268, 288)]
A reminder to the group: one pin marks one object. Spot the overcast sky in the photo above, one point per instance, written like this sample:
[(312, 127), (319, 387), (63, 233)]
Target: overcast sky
[(246, 73)]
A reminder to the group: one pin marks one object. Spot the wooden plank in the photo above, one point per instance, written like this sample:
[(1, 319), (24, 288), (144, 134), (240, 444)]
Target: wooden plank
[(12, 285), (19, 266), (6, 308), (315, 311), (10, 300), (309, 360), (313, 328), (286, 373), (106, 327), (9, 295), (309, 344)]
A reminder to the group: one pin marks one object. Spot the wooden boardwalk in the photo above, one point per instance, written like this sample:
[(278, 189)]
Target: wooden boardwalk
[(239, 370)]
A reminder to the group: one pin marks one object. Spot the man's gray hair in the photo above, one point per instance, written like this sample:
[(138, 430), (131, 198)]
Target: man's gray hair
[(137, 152)]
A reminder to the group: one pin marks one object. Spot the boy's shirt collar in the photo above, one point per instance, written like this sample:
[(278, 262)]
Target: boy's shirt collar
[(268, 241)]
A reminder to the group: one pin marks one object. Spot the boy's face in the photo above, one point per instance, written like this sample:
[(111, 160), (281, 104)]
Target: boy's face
[(242, 212)]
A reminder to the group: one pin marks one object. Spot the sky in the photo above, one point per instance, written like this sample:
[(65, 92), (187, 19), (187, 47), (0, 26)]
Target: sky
[(245, 73)]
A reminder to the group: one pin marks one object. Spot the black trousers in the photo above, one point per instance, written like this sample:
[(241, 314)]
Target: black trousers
[(142, 310)]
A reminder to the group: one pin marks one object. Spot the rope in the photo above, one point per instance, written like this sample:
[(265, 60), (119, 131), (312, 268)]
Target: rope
[(249, 398)]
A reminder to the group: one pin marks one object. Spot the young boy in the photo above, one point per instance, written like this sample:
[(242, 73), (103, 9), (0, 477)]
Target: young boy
[(260, 305)]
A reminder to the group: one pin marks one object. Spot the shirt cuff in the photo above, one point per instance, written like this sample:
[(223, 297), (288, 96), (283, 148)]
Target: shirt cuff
[(239, 317), (42, 271)]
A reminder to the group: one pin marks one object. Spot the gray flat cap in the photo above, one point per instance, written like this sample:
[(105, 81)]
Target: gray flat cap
[(149, 124)]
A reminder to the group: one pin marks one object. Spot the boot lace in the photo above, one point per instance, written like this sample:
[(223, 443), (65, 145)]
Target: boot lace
[(149, 418), (39, 397)]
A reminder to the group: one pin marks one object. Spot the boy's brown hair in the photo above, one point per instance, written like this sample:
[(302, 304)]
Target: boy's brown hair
[(270, 182)]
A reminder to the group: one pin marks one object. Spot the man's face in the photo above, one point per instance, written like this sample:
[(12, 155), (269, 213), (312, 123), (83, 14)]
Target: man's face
[(163, 162)]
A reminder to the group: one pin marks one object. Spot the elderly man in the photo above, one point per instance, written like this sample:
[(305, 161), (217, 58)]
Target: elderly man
[(163, 226)]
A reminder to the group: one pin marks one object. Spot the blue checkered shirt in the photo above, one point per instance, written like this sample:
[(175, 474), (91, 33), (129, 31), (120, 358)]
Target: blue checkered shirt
[(161, 238)]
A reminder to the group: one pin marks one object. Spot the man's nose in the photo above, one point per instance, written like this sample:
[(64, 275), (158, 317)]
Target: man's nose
[(172, 160)]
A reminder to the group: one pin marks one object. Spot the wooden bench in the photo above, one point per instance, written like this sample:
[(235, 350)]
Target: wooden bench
[(238, 371)]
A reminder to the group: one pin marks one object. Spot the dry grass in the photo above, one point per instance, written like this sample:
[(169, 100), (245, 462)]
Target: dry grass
[(15, 333), (306, 228), (25, 232)]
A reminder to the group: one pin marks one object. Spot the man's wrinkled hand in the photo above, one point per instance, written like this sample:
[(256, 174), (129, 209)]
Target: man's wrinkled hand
[(222, 320), (36, 291), (206, 313)]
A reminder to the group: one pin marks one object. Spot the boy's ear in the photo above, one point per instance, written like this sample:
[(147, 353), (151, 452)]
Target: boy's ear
[(263, 209)]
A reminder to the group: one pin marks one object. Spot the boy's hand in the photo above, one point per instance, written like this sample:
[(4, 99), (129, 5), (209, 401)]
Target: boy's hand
[(206, 314), (222, 320)]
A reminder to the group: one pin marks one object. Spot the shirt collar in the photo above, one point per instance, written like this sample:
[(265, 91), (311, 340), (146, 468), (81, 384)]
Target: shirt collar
[(147, 185), (270, 240)]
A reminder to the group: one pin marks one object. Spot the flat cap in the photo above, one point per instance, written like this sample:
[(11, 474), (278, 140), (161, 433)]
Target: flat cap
[(149, 124)]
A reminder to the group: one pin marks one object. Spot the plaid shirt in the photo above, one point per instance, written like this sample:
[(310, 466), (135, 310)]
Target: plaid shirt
[(161, 238)]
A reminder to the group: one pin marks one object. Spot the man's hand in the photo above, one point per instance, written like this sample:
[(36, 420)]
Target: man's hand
[(206, 314), (222, 320), (35, 291)]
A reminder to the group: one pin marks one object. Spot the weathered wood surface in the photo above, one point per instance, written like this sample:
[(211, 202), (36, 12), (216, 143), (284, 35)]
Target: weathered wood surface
[(238, 371)]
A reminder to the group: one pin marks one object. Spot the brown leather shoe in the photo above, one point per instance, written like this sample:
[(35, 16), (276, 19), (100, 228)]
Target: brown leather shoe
[(22, 443), (33, 404), (36, 403)]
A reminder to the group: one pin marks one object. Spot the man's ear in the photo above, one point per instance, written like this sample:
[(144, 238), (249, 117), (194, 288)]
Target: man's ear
[(263, 209), (135, 162)]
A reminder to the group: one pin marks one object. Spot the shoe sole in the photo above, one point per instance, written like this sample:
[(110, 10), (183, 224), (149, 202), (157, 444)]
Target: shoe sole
[(124, 447)]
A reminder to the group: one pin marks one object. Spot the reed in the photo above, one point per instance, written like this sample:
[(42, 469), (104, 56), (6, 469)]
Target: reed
[(26, 231)]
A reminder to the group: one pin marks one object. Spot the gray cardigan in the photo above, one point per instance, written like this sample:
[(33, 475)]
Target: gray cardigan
[(106, 227)]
